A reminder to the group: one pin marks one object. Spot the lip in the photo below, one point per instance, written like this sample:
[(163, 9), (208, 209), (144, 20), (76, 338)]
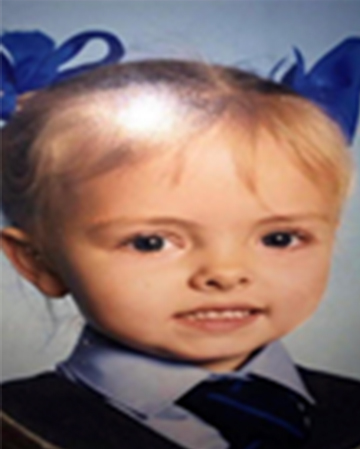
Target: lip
[(225, 318)]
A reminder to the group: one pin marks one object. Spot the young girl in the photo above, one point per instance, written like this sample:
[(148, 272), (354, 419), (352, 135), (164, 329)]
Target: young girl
[(190, 210)]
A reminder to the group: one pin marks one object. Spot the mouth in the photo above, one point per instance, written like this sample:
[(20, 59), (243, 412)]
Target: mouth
[(220, 318)]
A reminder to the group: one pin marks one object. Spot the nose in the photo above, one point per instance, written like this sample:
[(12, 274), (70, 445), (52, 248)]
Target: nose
[(220, 277)]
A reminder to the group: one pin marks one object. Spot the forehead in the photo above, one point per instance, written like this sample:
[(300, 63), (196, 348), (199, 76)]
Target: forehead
[(207, 186), (108, 131)]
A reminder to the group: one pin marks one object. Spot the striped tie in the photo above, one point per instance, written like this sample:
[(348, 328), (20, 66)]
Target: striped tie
[(255, 413)]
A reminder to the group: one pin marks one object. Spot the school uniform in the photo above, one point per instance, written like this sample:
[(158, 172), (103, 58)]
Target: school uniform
[(106, 396)]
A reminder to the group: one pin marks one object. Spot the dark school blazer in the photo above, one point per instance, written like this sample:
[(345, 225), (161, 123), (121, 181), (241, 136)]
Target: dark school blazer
[(49, 412)]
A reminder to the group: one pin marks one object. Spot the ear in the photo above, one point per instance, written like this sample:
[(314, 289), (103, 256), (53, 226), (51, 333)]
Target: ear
[(30, 263)]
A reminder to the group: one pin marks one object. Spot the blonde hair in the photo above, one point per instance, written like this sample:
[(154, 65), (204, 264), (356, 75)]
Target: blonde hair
[(33, 164)]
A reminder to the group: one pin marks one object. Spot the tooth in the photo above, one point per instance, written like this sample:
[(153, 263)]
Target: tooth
[(214, 314), (218, 314)]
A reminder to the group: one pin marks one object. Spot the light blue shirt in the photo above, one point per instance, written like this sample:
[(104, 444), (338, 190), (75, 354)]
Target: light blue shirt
[(147, 388)]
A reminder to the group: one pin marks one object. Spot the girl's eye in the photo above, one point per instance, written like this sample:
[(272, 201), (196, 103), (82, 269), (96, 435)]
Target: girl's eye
[(148, 243), (282, 239)]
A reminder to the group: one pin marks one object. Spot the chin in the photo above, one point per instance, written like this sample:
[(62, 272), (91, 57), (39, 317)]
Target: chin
[(211, 358)]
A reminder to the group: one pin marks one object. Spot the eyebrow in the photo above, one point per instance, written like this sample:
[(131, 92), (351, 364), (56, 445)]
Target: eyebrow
[(125, 221), (172, 221), (312, 216)]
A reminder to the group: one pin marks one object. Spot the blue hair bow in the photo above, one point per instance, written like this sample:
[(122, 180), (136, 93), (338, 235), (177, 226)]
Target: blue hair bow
[(30, 61), (333, 83)]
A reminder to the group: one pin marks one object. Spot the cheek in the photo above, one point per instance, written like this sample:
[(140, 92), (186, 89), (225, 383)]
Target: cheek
[(308, 283), (122, 295), (299, 287)]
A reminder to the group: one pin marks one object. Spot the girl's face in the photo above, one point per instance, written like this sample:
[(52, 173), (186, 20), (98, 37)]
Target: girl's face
[(191, 263)]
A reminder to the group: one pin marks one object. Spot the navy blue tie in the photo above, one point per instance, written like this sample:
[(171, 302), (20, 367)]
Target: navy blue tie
[(255, 413)]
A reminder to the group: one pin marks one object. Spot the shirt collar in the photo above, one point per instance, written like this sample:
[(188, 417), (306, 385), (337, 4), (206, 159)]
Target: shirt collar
[(146, 385)]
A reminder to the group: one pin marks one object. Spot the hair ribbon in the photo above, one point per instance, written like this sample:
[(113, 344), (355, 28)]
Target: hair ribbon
[(31, 61), (333, 83)]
